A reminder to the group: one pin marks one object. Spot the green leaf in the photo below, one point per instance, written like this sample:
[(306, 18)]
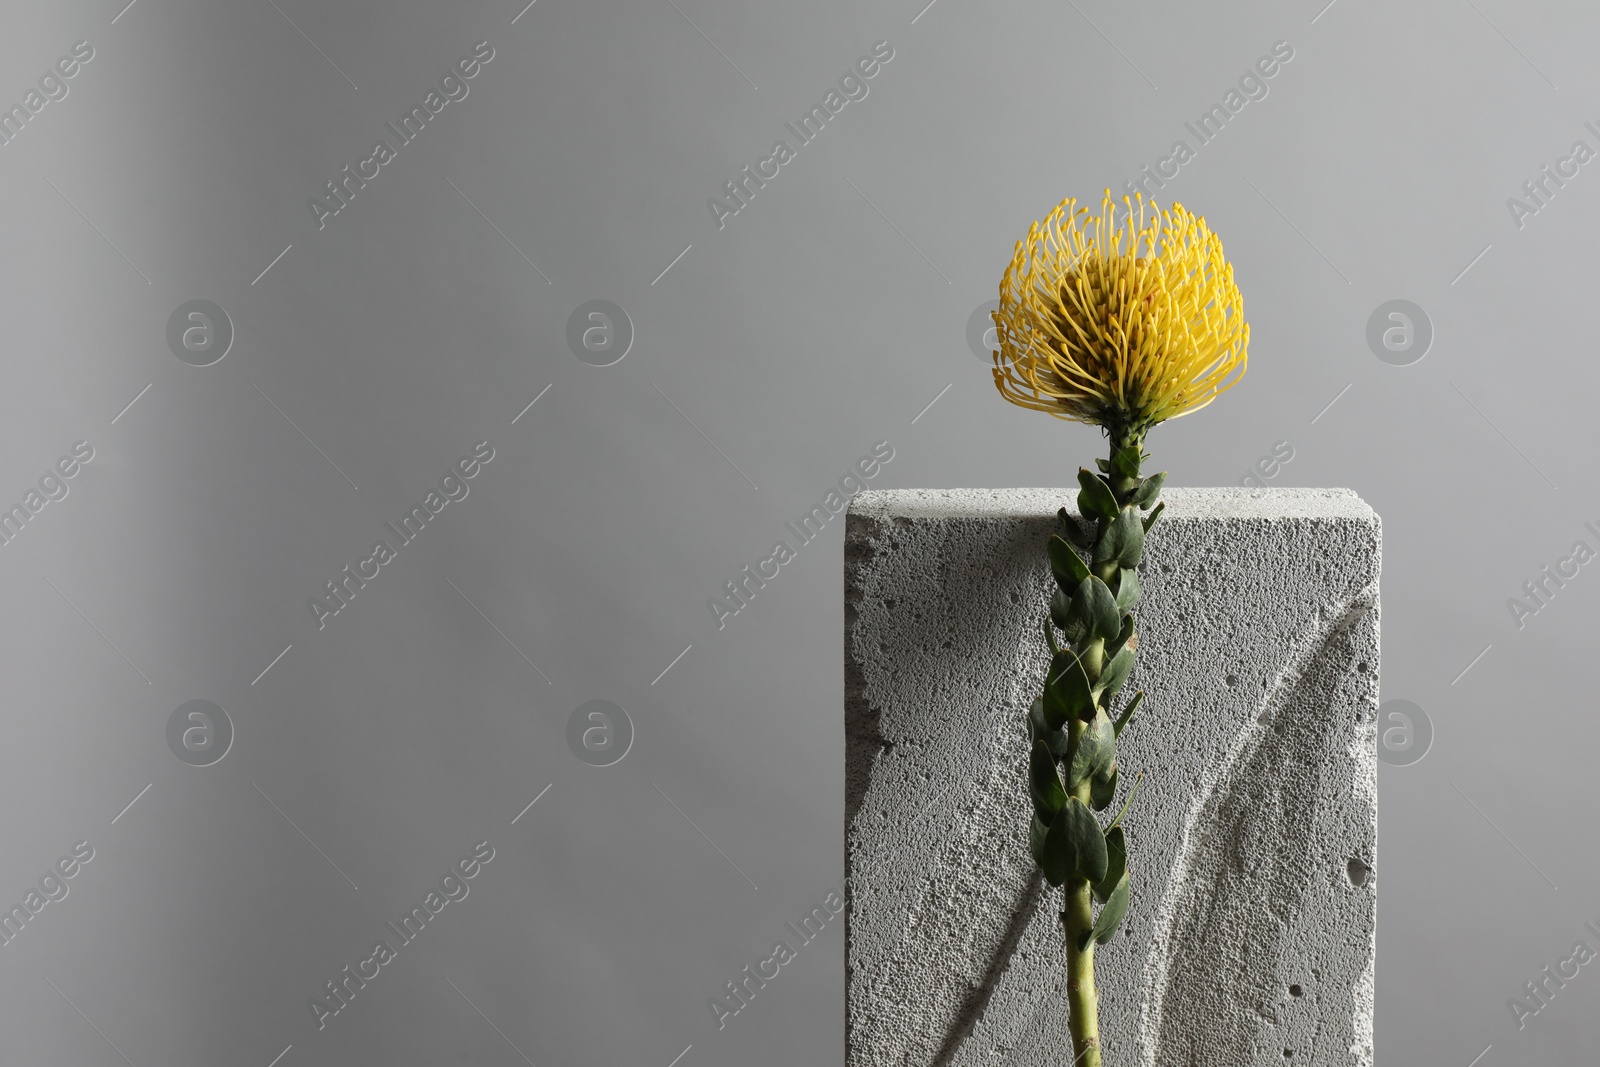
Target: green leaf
[(1071, 628), (1070, 530), (1074, 846), (1127, 712), (1037, 831), (1148, 490), (1125, 637), (1125, 462), (1039, 730), (1116, 863), (1104, 465), (1096, 750), (1103, 789), (1067, 693), (1150, 519), (1068, 567), (1123, 541), (1126, 804), (1127, 589), (1111, 914), (1115, 672), (1096, 497), (1044, 784), (1094, 609)]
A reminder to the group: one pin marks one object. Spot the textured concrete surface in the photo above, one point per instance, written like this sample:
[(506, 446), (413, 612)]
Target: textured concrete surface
[(1251, 938)]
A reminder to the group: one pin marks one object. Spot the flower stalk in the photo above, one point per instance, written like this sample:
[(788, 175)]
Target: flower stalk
[(1122, 323), (1072, 727)]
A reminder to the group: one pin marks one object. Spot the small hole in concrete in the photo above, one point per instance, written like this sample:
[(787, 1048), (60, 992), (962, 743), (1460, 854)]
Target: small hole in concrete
[(888, 602), (1288, 1053), (1295, 991), (1232, 679), (1362, 667), (1358, 871)]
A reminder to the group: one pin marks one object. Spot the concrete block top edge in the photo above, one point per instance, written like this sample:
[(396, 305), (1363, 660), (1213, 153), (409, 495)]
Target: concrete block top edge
[(1230, 502)]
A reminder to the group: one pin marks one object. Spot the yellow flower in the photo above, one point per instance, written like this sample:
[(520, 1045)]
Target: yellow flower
[(1123, 324)]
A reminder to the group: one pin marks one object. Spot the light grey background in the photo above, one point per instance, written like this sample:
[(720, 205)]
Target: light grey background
[(771, 355)]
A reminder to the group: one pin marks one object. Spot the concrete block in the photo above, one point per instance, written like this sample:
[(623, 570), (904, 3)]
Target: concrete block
[(1251, 937)]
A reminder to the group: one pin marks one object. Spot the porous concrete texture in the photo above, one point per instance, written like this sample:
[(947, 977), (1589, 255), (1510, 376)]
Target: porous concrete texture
[(1251, 938)]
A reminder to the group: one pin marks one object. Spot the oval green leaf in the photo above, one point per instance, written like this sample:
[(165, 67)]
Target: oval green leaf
[(1095, 753), (1094, 609), (1148, 490), (1116, 864), (1066, 690), (1115, 673), (1068, 567), (1044, 784), (1103, 788), (1075, 845), (1127, 591), (1037, 831), (1112, 912), (1123, 541), (1095, 497), (1039, 730)]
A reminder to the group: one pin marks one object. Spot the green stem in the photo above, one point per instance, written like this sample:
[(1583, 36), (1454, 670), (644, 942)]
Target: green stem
[(1093, 658), (1077, 919), (1077, 915), (1121, 439)]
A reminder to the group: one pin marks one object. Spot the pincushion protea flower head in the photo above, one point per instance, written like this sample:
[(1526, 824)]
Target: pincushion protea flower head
[(1120, 323)]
